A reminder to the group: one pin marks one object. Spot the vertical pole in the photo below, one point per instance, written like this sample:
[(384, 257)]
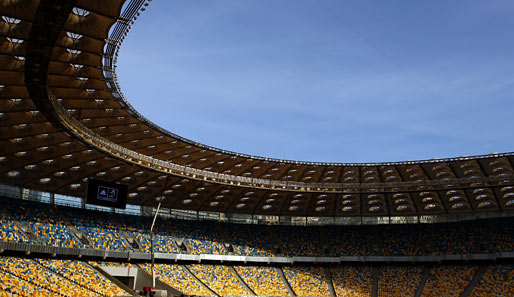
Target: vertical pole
[(153, 259), (151, 243), (161, 198)]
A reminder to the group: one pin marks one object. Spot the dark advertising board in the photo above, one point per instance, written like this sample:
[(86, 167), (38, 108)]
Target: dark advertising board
[(107, 194)]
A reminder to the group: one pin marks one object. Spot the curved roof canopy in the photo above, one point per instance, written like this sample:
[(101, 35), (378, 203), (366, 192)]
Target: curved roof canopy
[(63, 119)]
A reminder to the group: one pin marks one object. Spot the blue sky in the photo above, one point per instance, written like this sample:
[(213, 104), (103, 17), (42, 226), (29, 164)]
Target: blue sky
[(327, 80)]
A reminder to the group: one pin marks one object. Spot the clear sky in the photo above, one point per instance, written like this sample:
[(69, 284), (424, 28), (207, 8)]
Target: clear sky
[(327, 80)]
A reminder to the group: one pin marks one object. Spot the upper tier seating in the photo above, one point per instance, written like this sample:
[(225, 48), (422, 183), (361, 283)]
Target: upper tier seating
[(56, 225), (308, 242), (162, 243), (201, 237), (249, 240), (44, 222), (10, 233), (105, 239)]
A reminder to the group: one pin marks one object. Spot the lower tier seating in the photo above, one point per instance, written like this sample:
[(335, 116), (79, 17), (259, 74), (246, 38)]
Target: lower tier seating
[(264, 281), (220, 279), (43, 277), (51, 277), (12, 285), (498, 280), (352, 281), (307, 280), (400, 281), (448, 280), (83, 274), (177, 277)]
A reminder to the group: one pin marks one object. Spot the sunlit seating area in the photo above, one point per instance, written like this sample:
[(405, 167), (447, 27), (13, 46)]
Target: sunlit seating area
[(352, 281), (12, 285), (264, 281), (42, 277), (399, 280), (105, 239), (177, 277), (84, 275), (44, 222), (448, 280), (55, 234), (307, 280), (162, 243), (10, 233), (220, 279)]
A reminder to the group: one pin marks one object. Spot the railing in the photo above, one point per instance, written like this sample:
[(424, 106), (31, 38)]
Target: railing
[(24, 249), (232, 180)]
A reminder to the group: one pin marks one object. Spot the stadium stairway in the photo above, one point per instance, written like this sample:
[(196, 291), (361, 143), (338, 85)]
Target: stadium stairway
[(374, 283), (26, 230), (476, 279), (428, 245), (79, 235), (330, 283), (234, 272), (377, 242), (284, 279), (145, 280), (324, 241), (424, 277), (224, 237), (182, 247), (113, 279), (486, 237), (275, 240), (130, 240)]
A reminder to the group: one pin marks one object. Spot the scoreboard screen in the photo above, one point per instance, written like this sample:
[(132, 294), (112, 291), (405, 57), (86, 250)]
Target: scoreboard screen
[(107, 194)]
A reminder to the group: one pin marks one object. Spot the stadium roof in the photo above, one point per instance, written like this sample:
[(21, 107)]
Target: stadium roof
[(63, 118)]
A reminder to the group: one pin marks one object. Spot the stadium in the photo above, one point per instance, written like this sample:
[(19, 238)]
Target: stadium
[(226, 224)]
